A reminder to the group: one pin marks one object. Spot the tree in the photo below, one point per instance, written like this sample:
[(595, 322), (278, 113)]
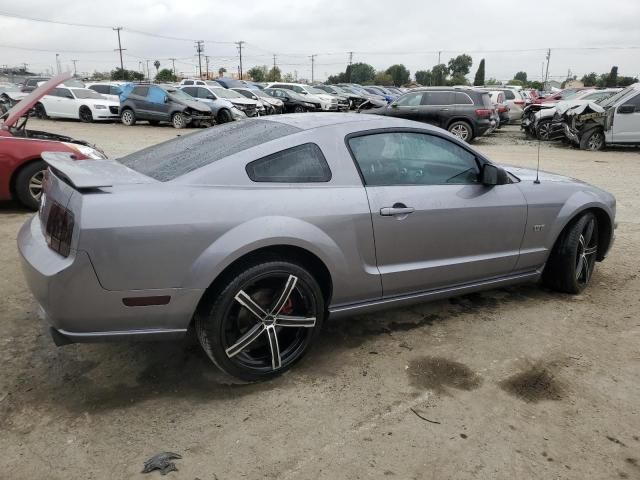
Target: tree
[(258, 74), (157, 65), (424, 77), (339, 78), (165, 75), (522, 76), (120, 74), (288, 77), (274, 75), (439, 74), (478, 81), (399, 74), (612, 80), (515, 82), (460, 66), (492, 81), (536, 85), (361, 73), (590, 79), (221, 71), (382, 78), (626, 81)]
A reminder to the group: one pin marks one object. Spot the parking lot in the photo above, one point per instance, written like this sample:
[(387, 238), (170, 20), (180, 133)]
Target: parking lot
[(509, 384)]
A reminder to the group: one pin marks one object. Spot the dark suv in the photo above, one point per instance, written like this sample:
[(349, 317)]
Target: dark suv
[(160, 103), (464, 112)]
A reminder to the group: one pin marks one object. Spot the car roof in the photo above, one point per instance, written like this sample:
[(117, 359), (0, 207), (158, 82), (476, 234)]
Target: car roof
[(316, 120)]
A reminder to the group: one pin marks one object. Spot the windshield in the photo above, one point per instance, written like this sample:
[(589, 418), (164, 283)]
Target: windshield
[(224, 93), (571, 94), (613, 99), (316, 91), (86, 93), (212, 83), (179, 95), (9, 88)]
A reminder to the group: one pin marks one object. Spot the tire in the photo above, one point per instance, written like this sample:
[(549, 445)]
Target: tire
[(178, 120), (40, 111), (28, 184), (592, 140), (224, 116), (298, 109), (462, 130), (270, 346), (85, 114), (543, 130), (572, 260), (154, 123), (128, 117)]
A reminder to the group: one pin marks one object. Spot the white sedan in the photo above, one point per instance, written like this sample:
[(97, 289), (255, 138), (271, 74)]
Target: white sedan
[(79, 103)]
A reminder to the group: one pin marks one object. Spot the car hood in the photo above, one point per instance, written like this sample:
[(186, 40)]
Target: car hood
[(99, 101), (529, 175), (201, 107), (243, 101), (27, 103), (219, 103)]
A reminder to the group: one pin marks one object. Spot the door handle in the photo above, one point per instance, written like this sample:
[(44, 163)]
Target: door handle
[(444, 109), (391, 211), (414, 109)]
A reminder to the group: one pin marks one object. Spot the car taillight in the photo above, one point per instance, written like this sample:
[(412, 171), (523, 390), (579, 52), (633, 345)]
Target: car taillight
[(503, 109), (483, 112), (519, 102), (59, 229)]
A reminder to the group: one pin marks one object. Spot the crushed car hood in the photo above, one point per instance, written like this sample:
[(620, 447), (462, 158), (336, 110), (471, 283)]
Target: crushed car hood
[(27, 103)]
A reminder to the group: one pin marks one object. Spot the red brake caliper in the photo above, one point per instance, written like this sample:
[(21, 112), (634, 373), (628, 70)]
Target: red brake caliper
[(288, 307)]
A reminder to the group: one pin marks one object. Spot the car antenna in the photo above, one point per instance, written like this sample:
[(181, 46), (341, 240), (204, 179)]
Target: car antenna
[(537, 180)]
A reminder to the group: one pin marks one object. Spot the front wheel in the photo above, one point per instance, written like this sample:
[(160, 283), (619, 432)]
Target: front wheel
[(263, 321), (224, 116), (178, 120), (28, 184), (85, 114), (543, 130), (40, 111), (592, 140), (298, 109), (462, 130), (571, 263)]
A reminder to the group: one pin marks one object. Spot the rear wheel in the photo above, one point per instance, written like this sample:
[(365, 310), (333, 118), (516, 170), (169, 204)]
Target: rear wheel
[(592, 140), (298, 109), (128, 117), (178, 120), (263, 321), (573, 258), (41, 112), (224, 116), (85, 114), (462, 130), (28, 184)]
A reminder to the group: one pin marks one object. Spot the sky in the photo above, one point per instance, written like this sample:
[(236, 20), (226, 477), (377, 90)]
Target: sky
[(584, 36)]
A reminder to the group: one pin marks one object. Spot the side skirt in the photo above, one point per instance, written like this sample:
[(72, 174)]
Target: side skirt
[(339, 311), (63, 337)]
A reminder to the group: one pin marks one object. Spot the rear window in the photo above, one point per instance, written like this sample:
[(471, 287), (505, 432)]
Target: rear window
[(172, 159), (509, 95), (301, 164), (486, 100)]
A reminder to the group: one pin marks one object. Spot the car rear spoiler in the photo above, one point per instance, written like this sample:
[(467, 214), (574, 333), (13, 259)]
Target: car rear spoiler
[(86, 174)]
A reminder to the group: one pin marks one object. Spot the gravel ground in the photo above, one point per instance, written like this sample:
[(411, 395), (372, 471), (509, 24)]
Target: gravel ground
[(511, 383)]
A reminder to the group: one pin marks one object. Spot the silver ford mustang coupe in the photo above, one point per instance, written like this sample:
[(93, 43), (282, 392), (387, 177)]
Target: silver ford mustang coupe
[(253, 232)]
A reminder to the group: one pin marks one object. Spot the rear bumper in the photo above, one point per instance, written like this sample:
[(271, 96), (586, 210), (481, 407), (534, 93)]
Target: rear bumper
[(80, 310)]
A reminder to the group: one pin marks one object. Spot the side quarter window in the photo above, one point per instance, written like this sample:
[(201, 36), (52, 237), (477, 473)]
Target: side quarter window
[(409, 158), (301, 164)]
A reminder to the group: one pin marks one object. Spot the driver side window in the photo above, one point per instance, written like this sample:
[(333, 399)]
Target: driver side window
[(410, 100), (409, 158)]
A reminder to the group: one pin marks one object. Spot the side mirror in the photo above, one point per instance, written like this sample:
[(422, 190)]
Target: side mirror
[(286, 99), (626, 108), (166, 99), (211, 97), (492, 175), (394, 105)]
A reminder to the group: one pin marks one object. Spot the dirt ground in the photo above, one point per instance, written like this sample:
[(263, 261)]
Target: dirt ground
[(517, 383)]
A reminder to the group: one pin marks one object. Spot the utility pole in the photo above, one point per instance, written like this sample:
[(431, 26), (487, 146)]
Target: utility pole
[(350, 63), (120, 49), (439, 53), (313, 60), (546, 75), (173, 62), (240, 44), (274, 62), (58, 67), (206, 58), (75, 72), (148, 73), (200, 49)]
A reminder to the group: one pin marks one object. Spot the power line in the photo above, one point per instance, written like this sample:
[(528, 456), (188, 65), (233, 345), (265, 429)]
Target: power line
[(200, 49)]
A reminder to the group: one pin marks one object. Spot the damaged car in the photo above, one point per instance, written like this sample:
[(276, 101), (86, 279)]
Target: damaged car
[(251, 234), (22, 168), (162, 103), (615, 120)]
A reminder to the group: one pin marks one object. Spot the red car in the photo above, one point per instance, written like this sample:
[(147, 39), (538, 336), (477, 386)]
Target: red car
[(21, 166), (565, 94)]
